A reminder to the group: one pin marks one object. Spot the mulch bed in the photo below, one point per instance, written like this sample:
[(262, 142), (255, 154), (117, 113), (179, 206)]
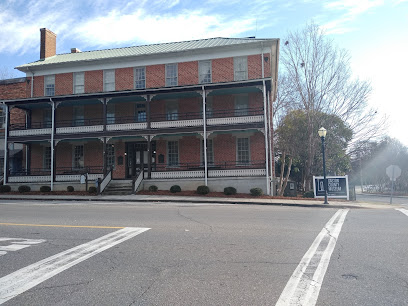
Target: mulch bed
[(74, 193)]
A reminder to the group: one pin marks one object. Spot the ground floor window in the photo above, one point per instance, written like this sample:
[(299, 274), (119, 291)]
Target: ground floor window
[(78, 161), (210, 152), (110, 156), (172, 153), (47, 158), (243, 153)]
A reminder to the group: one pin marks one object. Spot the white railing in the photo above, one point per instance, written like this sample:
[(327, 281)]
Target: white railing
[(237, 172), (176, 123), (30, 132), (80, 129), (126, 126), (138, 181), (235, 120), (177, 174), (29, 179), (105, 181)]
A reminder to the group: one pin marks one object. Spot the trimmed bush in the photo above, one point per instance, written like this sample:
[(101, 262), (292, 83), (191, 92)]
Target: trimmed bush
[(153, 188), (203, 189), (308, 194), (230, 191), (5, 188), (92, 189), (256, 192), (175, 188), (70, 188), (24, 188), (45, 188)]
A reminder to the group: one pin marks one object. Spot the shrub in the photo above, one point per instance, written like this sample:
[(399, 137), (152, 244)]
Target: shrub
[(175, 188), (24, 188), (308, 194), (230, 191), (92, 189), (45, 188), (203, 189), (70, 188), (5, 188), (256, 192), (153, 188)]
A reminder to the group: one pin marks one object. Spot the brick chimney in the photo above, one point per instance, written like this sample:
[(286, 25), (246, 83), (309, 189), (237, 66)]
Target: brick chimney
[(48, 43), (75, 50)]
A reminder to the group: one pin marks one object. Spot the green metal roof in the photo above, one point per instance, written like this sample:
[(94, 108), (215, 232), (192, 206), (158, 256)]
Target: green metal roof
[(141, 50)]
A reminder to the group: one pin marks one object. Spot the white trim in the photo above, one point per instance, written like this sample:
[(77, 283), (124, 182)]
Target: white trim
[(177, 174), (29, 179), (30, 132), (237, 172)]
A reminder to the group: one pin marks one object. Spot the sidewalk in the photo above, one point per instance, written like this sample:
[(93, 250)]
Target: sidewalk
[(201, 200)]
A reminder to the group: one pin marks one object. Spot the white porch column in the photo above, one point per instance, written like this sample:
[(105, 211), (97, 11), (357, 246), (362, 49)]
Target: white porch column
[(6, 144), (205, 138), (52, 142), (266, 139)]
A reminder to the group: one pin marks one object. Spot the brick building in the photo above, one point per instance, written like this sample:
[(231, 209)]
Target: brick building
[(187, 113)]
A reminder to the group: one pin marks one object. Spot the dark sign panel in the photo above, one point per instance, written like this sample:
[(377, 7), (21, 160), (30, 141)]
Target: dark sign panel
[(337, 186)]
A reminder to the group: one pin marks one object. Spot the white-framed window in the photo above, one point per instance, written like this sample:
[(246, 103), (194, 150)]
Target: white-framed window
[(78, 157), (243, 152), (109, 80), (140, 112), (171, 75), (47, 117), (79, 82), (140, 77), (241, 103), (240, 68), (110, 156), (210, 152), (172, 110), (204, 71), (2, 118), (49, 85), (47, 158), (110, 113), (172, 153), (208, 106), (78, 115)]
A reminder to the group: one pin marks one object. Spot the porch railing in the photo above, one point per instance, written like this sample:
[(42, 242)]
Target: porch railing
[(224, 165)]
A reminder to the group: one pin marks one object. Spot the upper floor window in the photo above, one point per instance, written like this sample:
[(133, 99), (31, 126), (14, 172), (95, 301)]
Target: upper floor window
[(47, 118), (204, 71), (110, 113), (49, 85), (241, 105), (140, 78), (172, 110), (140, 112), (78, 116), (240, 68), (79, 82), (109, 80), (208, 107), (171, 75)]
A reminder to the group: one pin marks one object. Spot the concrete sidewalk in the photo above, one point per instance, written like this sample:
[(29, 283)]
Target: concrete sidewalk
[(198, 199)]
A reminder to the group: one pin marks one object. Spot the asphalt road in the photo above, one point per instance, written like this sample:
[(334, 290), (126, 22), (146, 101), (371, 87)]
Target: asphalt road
[(181, 254), (374, 198)]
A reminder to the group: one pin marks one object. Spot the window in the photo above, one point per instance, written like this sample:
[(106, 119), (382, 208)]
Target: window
[(240, 68), (79, 82), (241, 105), (210, 152), (110, 156), (208, 106), (140, 78), (172, 153), (78, 161), (47, 118), (140, 112), (47, 158), (171, 75), (49, 85), (109, 80), (204, 71), (78, 118), (110, 113), (2, 118), (172, 110), (243, 156)]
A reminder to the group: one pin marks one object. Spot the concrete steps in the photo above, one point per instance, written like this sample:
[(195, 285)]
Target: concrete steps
[(119, 187)]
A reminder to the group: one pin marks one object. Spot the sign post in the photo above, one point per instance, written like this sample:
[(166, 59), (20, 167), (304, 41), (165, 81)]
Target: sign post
[(337, 187), (393, 173)]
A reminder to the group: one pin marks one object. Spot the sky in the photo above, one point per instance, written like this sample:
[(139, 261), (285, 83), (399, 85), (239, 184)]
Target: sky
[(374, 32)]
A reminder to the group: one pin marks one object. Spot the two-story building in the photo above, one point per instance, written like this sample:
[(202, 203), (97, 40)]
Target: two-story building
[(189, 113)]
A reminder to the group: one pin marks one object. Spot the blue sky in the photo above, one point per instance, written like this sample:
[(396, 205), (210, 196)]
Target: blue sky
[(375, 32)]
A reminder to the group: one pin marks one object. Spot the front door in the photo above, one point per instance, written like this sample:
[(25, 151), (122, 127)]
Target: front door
[(136, 158)]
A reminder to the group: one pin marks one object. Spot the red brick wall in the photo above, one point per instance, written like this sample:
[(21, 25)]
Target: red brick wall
[(254, 67), (63, 153), (161, 148), (38, 86), (94, 81), (155, 76), (63, 113), (189, 150), (124, 78), (257, 144), (64, 84), (224, 148), (93, 155), (223, 70), (17, 116), (187, 73), (37, 156), (14, 90)]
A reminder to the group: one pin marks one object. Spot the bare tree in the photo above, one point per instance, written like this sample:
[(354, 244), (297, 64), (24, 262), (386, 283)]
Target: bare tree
[(318, 78), (6, 73)]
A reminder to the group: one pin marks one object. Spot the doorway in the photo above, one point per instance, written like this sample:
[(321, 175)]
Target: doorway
[(137, 157)]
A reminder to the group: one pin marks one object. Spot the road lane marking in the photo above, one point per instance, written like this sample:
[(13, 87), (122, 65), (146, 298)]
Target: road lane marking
[(32, 275), (56, 225), (16, 244), (403, 210), (304, 285)]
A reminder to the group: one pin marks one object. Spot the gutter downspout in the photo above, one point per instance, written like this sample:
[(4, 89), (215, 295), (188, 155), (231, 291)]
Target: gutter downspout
[(265, 125), (5, 144), (32, 82), (205, 137), (52, 143)]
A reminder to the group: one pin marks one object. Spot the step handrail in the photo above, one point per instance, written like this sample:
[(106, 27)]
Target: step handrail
[(105, 182), (138, 181)]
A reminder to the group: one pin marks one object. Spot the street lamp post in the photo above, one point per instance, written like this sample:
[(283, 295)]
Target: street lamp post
[(322, 134)]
